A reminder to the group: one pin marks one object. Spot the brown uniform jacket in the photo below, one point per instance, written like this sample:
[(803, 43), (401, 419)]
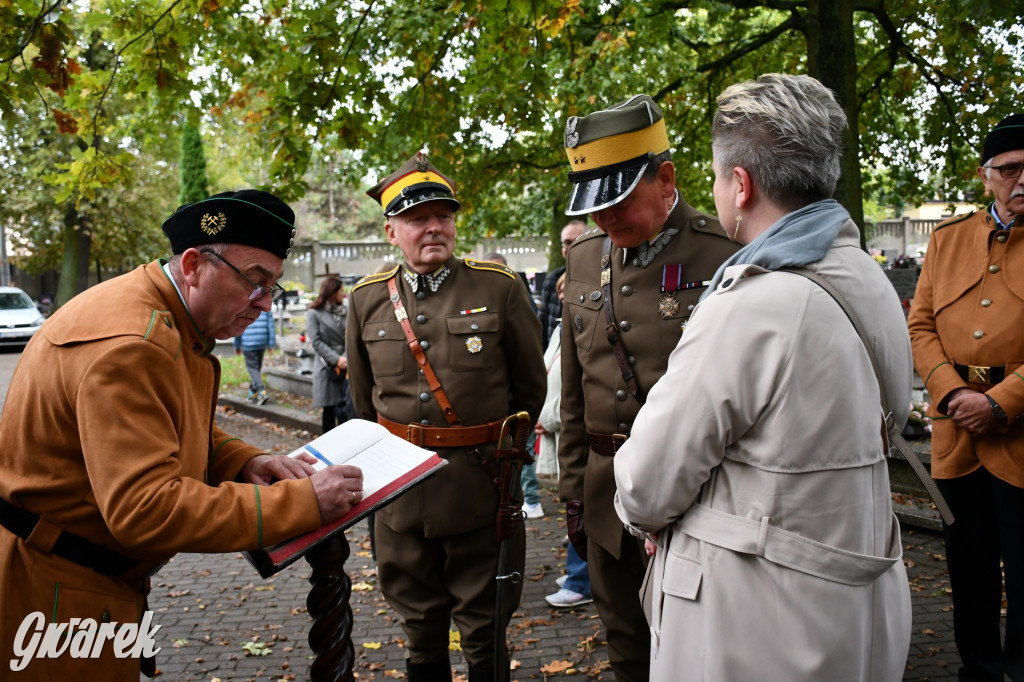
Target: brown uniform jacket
[(108, 432), (594, 396), (482, 340), (969, 310)]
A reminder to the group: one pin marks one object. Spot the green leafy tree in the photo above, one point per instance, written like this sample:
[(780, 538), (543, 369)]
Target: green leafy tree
[(194, 185)]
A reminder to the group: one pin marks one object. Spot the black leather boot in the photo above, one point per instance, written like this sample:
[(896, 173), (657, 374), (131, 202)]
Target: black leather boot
[(481, 674), (435, 671)]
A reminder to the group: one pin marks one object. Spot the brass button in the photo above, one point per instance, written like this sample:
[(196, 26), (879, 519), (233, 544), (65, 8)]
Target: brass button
[(625, 325), (627, 290), (1002, 237), (985, 303), (620, 395), (993, 268), (421, 318), (978, 333)]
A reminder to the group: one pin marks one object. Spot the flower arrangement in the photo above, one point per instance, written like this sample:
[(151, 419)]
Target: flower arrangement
[(877, 255), (918, 410)]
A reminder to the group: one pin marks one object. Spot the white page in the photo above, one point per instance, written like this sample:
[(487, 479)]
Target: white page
[(381, 456)]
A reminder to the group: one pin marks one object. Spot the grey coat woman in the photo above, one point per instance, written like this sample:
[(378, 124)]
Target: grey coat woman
[(325, 329), (758, 465)]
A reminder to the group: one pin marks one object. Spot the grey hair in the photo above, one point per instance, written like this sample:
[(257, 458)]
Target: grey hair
[(786, 131), (175, 262), (651, 172)]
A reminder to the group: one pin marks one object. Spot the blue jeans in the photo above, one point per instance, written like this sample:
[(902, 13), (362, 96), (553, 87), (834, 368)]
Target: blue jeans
[(578, 579), (254, 363), (531, 486)]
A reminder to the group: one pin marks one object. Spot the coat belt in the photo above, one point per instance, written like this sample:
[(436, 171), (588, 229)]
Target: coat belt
[(444, 436), (979, 374), (47, 538), (606, 444), (783, 547)]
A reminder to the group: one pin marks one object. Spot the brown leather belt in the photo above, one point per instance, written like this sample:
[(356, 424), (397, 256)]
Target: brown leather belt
[(606, 444), (977, 374), (444, 436)]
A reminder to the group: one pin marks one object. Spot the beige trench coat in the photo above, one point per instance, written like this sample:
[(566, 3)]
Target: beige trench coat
[(758, 460)]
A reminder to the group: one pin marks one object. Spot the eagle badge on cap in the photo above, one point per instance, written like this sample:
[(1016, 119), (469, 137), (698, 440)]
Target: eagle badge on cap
[(572, 138), (211, 224)]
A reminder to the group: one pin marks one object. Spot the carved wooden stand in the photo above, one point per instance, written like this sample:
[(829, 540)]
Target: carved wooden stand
[(330, 637)]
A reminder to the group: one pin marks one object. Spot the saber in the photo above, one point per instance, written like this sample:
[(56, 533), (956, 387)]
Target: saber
[(514, 430)]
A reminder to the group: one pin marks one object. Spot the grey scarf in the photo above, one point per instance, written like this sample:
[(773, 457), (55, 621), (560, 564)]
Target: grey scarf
[(798, 238)]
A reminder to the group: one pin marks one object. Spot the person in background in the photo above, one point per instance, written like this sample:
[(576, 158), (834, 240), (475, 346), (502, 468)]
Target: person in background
[(257, 339), (639, 274), (574, 586), (531, 485), (129, 466), (325, 328), (442, 351), (550, 304), (757, 468), (966, 325)]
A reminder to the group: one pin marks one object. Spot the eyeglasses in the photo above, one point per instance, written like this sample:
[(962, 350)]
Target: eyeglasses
[(258, 290), (1009, 170)]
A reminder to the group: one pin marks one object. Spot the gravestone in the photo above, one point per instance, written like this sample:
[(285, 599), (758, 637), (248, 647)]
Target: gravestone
[(904, 281)]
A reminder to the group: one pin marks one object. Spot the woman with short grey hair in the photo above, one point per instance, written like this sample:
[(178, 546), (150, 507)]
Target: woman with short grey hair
[(757, 468)]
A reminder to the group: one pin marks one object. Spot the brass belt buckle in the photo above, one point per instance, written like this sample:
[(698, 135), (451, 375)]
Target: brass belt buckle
[(414, 434), (978, 375), (618, 439)]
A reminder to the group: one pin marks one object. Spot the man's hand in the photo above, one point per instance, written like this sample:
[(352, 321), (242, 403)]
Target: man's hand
[(540, 430), (574, 524), (342, 362), (970, 410), (265, 469), (338, 488)]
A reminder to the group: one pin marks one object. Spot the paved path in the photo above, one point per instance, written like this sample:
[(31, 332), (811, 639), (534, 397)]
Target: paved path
[(213, 607)]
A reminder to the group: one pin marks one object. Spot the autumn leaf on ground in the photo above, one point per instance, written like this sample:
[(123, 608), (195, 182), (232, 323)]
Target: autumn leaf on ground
[(454, 640), (371, 645), (362, 587), (556, 667)]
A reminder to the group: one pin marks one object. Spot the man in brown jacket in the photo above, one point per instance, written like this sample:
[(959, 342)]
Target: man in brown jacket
[(630, 287), (441, 350), (966, 330), (110, 460)]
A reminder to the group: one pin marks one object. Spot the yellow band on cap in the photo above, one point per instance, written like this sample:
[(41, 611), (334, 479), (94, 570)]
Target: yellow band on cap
[(606, 151), (414, 178)]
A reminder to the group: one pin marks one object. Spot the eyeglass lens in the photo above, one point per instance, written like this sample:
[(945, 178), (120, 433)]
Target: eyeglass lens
[(1010, 170)]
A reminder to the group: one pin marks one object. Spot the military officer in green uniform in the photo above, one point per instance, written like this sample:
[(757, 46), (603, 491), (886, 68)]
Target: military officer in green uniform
[(441, 350), (629, 289)]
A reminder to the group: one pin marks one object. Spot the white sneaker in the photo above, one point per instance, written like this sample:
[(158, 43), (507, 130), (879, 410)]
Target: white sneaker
[(560, 580), (564, 599), (533, 511)]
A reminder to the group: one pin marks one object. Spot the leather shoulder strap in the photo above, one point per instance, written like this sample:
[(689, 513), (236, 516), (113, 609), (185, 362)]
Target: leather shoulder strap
[(612, 330), (890, 427), (419, 355)]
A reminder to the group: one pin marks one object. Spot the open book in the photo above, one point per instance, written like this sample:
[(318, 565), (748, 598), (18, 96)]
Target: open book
[(390, 466)]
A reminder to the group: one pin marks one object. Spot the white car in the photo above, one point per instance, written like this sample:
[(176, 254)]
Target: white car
[(19, 317)]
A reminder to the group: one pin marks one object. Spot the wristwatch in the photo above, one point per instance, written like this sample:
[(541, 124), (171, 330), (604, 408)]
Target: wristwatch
[(997, 411)]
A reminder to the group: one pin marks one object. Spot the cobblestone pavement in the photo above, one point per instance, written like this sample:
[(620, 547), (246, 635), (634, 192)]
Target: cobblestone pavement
[(220, 621)]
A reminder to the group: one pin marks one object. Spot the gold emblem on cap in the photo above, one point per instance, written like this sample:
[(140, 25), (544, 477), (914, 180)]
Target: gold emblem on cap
[(474, 344), (212, 224)]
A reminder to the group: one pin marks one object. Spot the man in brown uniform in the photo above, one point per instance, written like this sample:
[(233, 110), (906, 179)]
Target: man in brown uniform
[(630, 286), (966, 330), (441, 350), (110, 460)]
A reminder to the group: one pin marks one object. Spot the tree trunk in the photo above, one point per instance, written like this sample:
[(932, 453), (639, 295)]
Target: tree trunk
[(831, 58), (74, 269)]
